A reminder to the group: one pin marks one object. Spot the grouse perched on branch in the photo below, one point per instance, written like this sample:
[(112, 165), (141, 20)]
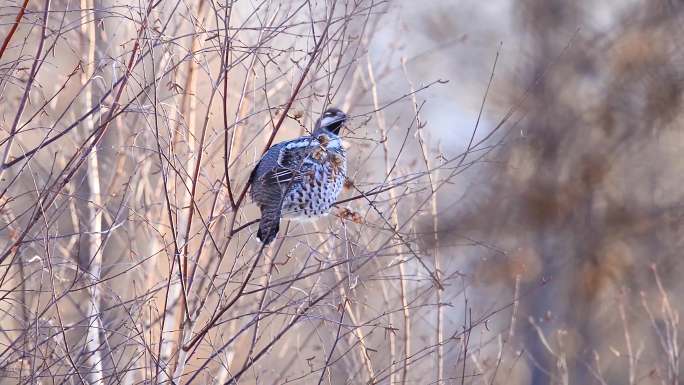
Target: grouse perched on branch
[(302, 177)]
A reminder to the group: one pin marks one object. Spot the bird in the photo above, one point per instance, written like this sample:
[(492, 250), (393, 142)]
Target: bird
[(300, 178)]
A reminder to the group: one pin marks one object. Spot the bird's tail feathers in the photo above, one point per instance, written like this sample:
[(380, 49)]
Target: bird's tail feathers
[(268, 225)]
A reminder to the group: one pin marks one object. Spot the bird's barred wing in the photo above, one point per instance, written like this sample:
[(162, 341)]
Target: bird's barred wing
[(284, 163)]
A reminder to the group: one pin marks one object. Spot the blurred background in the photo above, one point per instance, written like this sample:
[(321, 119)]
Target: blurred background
[(512, 212)]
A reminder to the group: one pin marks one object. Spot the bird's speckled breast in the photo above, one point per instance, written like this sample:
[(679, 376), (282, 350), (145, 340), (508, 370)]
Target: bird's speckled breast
[(320, 187)]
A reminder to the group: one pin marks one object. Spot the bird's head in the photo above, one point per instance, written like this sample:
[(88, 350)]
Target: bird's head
[(332, 121)]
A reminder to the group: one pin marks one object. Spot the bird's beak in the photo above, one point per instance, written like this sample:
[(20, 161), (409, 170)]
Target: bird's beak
[(333, 123)]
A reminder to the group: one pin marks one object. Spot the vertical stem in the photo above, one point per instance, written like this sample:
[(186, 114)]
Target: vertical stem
[(407, 322), (228, 12), (174, 316), (356, 331), (439, 332), (393, 198), (94, 220)]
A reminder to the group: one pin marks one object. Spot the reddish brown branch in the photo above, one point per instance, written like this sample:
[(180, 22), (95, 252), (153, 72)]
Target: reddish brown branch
[(12, 30)]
